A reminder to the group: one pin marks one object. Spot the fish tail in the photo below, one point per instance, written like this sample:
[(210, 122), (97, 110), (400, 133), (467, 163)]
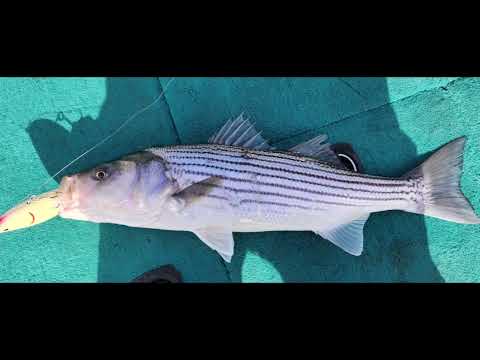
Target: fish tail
[(441, 196)]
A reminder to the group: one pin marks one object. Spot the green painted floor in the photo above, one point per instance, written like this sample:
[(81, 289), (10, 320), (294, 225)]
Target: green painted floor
[(391, 122)]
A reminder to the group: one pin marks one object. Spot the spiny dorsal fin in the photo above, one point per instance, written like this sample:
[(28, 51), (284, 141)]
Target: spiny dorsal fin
[(240, 132), (349, 237), (320, 149)]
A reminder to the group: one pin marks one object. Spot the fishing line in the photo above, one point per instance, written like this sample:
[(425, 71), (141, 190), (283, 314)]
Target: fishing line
[(139, 112)]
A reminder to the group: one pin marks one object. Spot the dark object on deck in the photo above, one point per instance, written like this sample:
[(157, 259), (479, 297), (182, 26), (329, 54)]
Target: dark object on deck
[(347, 156), (162, 275)]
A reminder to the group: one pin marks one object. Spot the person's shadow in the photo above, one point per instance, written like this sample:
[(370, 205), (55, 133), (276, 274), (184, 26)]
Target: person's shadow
[(396, 246)]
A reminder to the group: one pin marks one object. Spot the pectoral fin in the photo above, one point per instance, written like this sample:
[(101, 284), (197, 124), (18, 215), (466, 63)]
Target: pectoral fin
[(198, 190), (349, 237), (219, 240)]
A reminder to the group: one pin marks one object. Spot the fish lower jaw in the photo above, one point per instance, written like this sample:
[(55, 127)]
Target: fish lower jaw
[(69, 207)]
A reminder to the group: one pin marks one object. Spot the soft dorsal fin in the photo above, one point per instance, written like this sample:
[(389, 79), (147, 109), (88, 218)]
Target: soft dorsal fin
[(240, 132), (219, 240), (320, 149), (349, 237)]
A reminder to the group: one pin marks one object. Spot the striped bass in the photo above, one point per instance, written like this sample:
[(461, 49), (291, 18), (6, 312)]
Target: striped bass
[(237, 182)]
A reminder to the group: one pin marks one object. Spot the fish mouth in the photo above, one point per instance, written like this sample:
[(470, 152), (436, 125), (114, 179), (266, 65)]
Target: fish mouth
[(65, 186), (66, 194), (69, 201)]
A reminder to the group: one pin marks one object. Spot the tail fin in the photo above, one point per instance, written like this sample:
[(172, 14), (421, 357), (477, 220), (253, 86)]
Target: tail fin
[(441, 175)]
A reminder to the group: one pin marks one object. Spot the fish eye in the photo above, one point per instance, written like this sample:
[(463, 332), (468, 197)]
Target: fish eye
[(101, 174)]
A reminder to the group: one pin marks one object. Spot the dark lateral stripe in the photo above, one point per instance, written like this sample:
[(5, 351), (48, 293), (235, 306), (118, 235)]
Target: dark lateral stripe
[(294, 160), (298, 173), (200, 194), (264, 174), (261, 202), (191, 172), (273, 203), (253, 201), (275, 194), (208, 149), (228, 148), (292, 163), (245, 191)]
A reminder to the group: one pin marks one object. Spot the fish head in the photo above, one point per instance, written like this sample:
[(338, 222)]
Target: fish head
[(113, 192)]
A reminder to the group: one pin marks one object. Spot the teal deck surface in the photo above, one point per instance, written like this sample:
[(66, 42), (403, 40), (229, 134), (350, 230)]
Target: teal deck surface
[(392, 123)]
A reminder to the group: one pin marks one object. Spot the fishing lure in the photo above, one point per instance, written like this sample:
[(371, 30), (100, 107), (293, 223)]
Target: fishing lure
[(34, 211)]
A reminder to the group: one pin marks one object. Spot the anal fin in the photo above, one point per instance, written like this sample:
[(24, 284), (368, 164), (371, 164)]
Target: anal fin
[(348, 237), (219, 240)]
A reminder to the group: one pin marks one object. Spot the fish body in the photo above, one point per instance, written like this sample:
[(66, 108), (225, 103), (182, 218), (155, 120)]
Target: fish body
[(238, 183)]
